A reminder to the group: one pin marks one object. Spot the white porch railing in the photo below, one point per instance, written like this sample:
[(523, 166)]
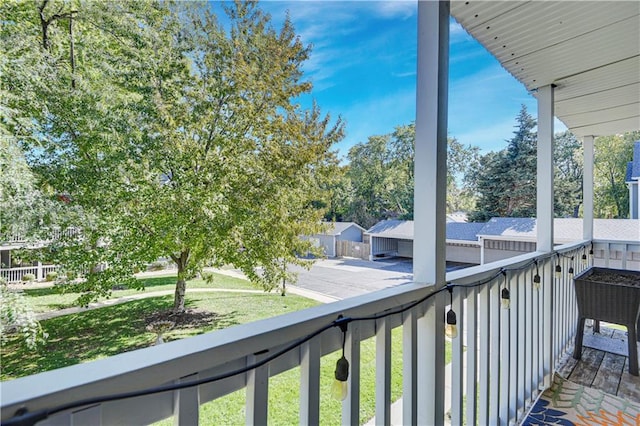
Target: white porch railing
[(14, 275), (18, 237), (617, 254), (509, 356)]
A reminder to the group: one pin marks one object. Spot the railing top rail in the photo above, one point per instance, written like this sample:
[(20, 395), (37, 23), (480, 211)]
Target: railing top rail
[(159, 365), (596, 241), (481, 272)]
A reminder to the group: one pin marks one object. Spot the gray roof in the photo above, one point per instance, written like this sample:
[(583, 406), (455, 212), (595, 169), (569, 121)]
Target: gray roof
[(463, 231), (517, 229), (337, 228), (616, 229), (403, 229), (509, 227), (392, 228), (565, 229)]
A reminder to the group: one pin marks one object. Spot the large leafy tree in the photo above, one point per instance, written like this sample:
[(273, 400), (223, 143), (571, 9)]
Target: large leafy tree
[(178, 137), (611, 195), (381, 172)]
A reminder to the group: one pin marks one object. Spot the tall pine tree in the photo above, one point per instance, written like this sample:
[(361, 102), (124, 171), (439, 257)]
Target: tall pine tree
[(506, 181)]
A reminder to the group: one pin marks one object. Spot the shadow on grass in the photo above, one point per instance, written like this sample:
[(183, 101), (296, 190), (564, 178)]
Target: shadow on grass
[(158, 281), (60, 289), (100, 333), (46, 291)]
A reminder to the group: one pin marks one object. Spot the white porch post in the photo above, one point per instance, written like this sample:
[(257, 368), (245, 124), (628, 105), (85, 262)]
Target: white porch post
[(429, 264), (587, 189), (544, 212), (544, 215), (632, 207)]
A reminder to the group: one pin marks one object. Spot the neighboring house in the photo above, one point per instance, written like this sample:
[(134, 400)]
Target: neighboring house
[(336, 232), (497, 239), (390, 238), (13, 268), (632, 178), (462, 242)]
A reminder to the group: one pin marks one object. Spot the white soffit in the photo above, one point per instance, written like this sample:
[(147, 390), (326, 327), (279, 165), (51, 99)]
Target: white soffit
[(589, 49)]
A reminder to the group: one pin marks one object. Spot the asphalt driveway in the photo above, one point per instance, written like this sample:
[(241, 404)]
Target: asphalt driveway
[(343, 278)]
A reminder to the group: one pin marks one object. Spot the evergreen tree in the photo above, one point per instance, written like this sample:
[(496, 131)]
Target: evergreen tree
[(505, 182), (569, 167)]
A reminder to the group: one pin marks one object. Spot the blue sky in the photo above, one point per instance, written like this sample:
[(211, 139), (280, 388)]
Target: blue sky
[(363, 68)]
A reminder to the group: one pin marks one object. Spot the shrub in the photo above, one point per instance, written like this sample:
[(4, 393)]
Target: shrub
[(28, 277), (157, 266), (17, 318), (208, 277), (51, 276)]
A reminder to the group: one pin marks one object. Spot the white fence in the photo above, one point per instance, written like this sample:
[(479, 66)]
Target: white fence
[(13, 275), (617, 254), (17, 237), (509, 355)]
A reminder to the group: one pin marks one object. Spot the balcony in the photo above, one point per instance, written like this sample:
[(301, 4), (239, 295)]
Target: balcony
[(525, 344), (502, 358)]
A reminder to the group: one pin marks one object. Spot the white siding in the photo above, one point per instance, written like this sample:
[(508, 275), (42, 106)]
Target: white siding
[(463, 253)]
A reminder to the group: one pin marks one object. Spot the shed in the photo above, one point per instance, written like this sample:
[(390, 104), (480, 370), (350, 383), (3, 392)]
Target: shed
[(338, 231)]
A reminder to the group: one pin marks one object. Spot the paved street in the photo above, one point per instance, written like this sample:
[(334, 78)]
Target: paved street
[(342, 278)]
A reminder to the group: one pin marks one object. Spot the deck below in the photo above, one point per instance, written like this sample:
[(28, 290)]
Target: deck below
[(604, 364)]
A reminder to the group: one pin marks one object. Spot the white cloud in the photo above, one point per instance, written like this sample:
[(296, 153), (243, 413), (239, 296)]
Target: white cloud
[(404, 74), (396, 9)]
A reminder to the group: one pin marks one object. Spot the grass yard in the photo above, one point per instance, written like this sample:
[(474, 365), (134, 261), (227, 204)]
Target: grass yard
[(111, 330), (51, 299), (284, 391)]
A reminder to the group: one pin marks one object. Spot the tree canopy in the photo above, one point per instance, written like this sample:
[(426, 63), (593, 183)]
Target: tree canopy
[(378, 182), (505, 181), (173, 135), (611, 195)]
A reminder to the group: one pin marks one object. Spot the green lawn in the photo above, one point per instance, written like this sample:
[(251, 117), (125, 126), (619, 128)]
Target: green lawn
[(284, 391), (51, 298), (107, 331), (115, 329)]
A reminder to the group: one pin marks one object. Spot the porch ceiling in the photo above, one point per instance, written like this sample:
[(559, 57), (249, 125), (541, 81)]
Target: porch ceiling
[(589, 49)]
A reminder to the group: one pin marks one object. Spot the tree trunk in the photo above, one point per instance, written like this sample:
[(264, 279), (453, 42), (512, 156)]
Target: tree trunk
[(72, 58), (44, 23), (181, 288), (181, 284)]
